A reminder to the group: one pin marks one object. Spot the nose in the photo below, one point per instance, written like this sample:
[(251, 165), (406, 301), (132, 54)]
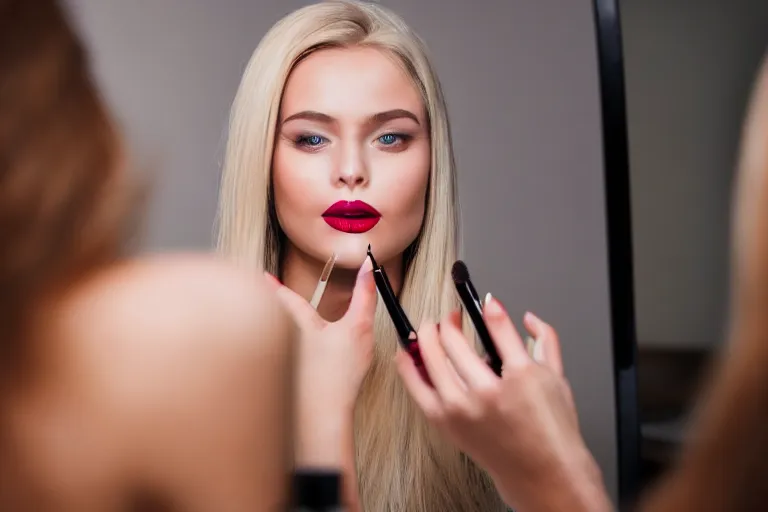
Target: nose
[(352, 170)]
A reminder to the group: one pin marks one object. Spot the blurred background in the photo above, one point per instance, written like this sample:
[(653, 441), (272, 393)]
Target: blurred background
[(689, 72)]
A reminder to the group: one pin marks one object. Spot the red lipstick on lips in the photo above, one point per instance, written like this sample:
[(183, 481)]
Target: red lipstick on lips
[(351, 216)]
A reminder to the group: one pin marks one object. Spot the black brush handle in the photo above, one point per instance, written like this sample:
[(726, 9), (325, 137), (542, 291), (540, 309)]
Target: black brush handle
[(406, 334), (472, 306)]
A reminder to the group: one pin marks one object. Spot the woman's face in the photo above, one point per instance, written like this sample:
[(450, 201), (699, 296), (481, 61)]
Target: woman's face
[(352, 159)]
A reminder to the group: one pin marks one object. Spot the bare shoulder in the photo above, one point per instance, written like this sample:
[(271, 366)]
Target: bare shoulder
[(182, 298), (182, 317), (183, 364)]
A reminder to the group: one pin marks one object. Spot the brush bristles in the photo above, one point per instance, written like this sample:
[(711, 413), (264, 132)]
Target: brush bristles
[(328, 268), (460, 272)]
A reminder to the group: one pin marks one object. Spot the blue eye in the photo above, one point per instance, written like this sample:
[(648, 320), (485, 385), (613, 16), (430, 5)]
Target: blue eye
[(388, 139), (310, 141)]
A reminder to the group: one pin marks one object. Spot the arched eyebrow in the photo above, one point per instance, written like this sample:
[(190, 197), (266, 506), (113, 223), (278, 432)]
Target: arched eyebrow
[(379, 118), (389, 115)]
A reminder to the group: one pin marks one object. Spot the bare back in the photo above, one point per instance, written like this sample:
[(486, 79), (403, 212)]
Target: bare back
[(161, 384)]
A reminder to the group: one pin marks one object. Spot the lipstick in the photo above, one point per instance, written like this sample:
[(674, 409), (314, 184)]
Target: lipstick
[(351, 216)]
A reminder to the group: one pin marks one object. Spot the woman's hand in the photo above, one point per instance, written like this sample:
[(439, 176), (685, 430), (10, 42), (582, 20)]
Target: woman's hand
[(523, 427), (333, 358)]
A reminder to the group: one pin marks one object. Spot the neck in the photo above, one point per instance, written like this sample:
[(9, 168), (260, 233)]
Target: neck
[(300, 273)]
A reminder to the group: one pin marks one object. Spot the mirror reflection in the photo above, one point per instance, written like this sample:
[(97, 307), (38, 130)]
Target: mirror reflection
[(373, 254)]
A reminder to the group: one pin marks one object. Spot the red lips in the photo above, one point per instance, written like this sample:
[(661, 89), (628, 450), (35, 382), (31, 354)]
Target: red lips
[(351, 216)]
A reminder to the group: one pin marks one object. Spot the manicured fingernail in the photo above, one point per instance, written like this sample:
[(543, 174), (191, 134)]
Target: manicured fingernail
[(493, 308), (488, 298), (538, 351)]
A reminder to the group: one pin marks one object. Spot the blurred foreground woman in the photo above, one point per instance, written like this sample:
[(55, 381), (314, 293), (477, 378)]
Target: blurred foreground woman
[(725, 463), (126, 384)]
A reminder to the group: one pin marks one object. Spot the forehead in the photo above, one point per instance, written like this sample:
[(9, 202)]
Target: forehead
[(350, 81)]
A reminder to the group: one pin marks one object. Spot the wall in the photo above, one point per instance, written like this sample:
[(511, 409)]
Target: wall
[(689, 69), (521, 83)]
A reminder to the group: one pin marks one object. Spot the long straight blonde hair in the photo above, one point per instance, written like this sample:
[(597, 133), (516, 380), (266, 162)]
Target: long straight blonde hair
[(402, 464)]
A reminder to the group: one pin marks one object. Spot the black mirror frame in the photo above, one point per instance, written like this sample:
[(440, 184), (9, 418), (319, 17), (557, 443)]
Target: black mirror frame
[(619, 231)]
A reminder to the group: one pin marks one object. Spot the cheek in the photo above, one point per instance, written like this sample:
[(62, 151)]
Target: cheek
[(291, 178), (405, 195)]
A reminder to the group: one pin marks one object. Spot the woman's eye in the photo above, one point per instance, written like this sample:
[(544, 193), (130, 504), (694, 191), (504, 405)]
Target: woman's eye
[(391, 139), (388, 139), (311, 141)]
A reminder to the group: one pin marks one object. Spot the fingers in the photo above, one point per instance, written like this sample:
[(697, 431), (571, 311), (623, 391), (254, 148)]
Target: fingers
[(421, 392), (505, 336), (363, 304), (467, 363), (444, 379), (300, 309), (547, 349)]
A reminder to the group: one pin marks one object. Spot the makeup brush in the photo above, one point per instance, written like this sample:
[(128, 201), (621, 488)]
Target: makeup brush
[(474, 307), (323, 282), (409, 340)]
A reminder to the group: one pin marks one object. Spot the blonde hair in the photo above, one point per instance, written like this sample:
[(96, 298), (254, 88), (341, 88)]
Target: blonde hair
[(402, 464)]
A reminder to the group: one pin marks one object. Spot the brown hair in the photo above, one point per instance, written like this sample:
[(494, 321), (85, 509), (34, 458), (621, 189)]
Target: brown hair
[(63, 196)]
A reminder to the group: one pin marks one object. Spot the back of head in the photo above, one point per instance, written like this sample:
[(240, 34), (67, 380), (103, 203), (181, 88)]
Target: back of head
[(61, 201), (65, 209)]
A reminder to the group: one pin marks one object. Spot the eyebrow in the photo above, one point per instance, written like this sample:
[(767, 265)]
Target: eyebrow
[(380, 118)]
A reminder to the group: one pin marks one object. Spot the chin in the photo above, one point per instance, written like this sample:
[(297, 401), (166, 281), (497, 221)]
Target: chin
[(351, 250)]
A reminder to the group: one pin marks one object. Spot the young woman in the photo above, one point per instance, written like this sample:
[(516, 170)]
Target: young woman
[(126, 384), (339, 138)]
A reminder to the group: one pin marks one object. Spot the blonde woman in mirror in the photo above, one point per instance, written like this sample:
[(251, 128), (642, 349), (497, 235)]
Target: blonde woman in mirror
[(339, 138)]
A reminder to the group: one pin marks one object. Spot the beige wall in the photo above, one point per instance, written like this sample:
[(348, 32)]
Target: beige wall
[(689, 67)]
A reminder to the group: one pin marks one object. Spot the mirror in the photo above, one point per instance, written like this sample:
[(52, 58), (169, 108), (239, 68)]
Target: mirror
[(522, 85)]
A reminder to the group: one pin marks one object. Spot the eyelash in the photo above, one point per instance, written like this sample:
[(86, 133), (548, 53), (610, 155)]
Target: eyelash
[(303, 141)]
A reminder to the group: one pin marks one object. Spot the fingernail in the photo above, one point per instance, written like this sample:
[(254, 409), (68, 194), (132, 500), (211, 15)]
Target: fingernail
[(532, 318), (488, 298), (538, 351), (493, 308), (367, 266)]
